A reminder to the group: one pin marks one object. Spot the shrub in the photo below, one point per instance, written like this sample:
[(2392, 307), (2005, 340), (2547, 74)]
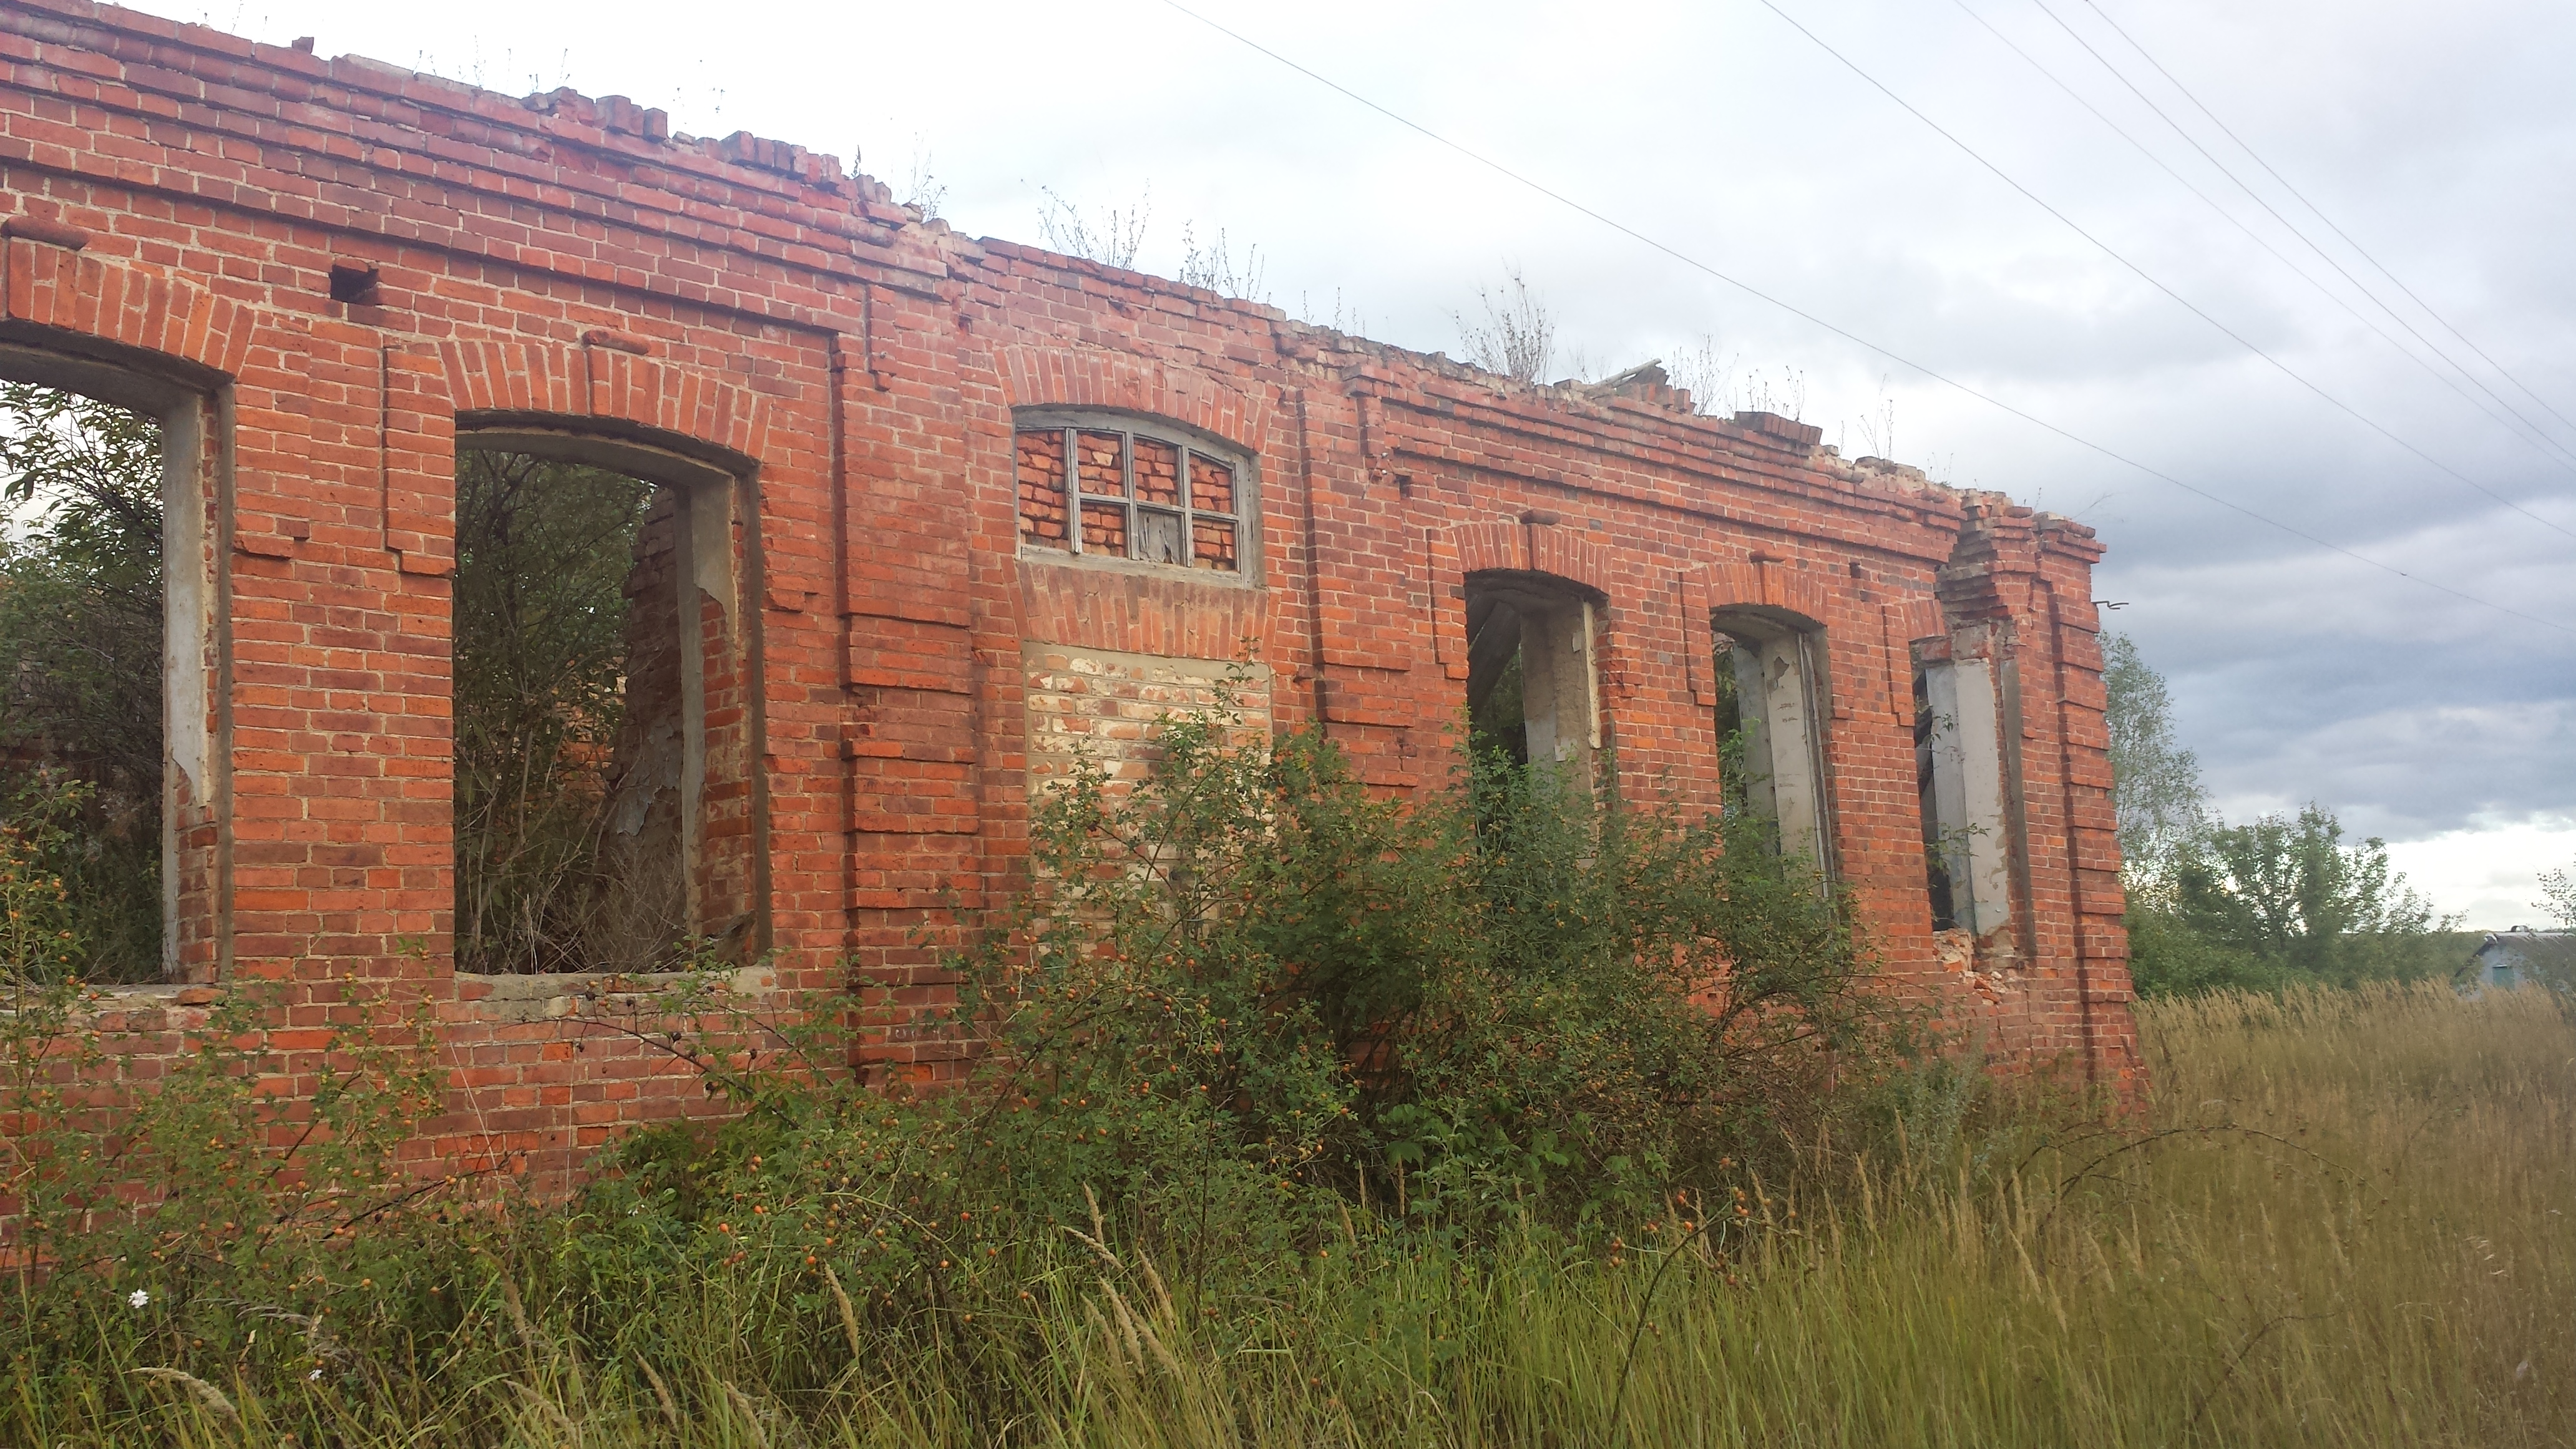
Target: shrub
[(1246, 1022), (1246, 990)]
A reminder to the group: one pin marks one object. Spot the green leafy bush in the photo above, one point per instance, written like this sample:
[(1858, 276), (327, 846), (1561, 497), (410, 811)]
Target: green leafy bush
[(1247, 1023)]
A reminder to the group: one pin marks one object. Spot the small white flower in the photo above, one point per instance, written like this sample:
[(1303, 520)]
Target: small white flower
[(311, 1377), (138, 1298)]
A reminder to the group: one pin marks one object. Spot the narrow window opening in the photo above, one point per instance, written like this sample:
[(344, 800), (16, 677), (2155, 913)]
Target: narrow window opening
[(87, 865), (1533, 695), (1958, 763), (578, 709), (1770, 714), (1928, 781)]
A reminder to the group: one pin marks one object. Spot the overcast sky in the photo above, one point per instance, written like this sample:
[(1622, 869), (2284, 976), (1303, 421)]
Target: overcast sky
[(2437, 137)]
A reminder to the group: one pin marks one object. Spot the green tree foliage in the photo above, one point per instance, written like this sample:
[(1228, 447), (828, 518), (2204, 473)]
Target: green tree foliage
[(2158, 796), (2280, 900), (2287, 897), (81, 631), (544, 553)]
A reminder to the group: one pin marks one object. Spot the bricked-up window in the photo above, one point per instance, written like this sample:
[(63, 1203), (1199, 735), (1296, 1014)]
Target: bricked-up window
[(1533, 693), (1131, 492), (583, 665), (1771, 718)]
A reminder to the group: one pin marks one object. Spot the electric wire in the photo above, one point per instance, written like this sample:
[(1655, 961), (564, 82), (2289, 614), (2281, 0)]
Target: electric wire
[(2329, 221), (2292, 227), (2149, 278), (1854, 338), (2535, 437)]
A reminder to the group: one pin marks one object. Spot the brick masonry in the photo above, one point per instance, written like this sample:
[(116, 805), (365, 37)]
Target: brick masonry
[(884, 672)]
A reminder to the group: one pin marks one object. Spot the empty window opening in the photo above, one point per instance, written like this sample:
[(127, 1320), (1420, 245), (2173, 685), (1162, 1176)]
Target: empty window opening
[(85, 775), (1533, 694), (1770, 713), (580, 708), (1130, 493), (1958, 767)]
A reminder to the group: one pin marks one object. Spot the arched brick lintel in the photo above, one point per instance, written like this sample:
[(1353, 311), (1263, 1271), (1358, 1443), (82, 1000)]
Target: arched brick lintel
[(524, 378), (130, 307), (1066, 377), (1709, 587), (1766, 585), (604, 384), (1915, 620), (1502, 545)]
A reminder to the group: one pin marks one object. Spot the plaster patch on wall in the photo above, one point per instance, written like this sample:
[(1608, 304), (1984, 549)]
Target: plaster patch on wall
[(1106, 704)]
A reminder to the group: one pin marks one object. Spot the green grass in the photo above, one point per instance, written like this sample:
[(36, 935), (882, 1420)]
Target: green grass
[(2342, 1218)]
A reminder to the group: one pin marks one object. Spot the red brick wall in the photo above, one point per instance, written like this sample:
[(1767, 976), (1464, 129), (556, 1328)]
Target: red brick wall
[(567, 263)]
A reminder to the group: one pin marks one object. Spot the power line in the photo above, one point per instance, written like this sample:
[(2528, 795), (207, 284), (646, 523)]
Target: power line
[(2329, 221), (2292, 227), (2535, 437), (2143, 275), (1856, 339)]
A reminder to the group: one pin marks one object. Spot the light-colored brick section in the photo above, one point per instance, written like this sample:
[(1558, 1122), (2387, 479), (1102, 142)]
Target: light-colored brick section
[(1106, 706)]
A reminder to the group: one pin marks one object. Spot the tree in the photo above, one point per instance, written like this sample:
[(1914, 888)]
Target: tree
[(545, 558), (2558, 897), (2301, 903), (80, 661), (2258, 905), (2155, 790)]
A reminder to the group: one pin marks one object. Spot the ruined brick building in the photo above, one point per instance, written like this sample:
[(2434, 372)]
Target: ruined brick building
[(934, 509)]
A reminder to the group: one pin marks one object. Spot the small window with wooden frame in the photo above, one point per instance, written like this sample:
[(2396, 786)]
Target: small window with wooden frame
[(1771, 714), (1107, 487)]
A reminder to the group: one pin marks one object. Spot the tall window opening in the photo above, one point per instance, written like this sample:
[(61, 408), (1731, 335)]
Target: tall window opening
[(1958, 767), (85, 778), (1131, 491), (580, 698), (1770, 718), (1532, 690)]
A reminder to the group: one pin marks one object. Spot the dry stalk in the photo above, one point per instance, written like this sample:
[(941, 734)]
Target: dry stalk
[(750, 1412), (849, 1316), (662, 1396), (552, 1410), (198, 1389), (1100, 1326), (518, 1313)]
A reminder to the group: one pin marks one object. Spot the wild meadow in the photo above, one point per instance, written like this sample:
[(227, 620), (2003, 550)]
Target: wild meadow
[(1504, 1120)]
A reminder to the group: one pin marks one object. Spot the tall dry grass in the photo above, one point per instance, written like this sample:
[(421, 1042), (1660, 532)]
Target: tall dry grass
[(2343, 1218)]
